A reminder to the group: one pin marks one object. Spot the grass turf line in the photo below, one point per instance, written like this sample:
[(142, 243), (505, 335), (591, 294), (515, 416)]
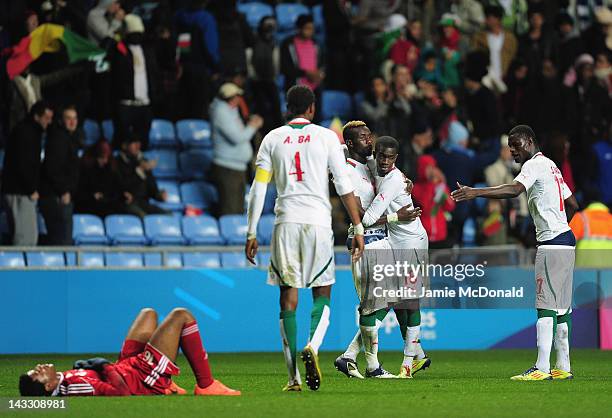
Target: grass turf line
[(459, 384)]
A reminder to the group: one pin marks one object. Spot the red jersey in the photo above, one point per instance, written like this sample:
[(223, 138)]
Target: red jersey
[(88, 383)]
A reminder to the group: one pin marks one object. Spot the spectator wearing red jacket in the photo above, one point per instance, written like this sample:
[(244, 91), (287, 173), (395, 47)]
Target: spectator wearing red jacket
[(433, 196)]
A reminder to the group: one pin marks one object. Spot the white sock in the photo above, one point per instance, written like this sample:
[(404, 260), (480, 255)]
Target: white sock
[(420, 354), (563, 348), (319, 334), (410, 345), (352, 351), (369, 336), (294, 373), (544, 328)]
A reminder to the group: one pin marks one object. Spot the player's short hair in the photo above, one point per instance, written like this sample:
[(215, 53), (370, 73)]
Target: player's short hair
[(349, 131), (299, 99), (523, 132), (387, 142), (29, 387)]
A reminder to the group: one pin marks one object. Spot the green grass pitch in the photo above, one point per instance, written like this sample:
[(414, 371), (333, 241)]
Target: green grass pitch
[(459, 384)]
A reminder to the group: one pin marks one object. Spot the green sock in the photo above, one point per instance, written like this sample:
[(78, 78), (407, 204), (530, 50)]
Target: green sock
[(368, 320), (414, 317), (288, 328), (402, 320), (319, 321), (381, 314)]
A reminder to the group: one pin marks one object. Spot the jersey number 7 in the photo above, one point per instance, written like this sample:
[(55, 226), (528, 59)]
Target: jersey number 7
[(298, 167)]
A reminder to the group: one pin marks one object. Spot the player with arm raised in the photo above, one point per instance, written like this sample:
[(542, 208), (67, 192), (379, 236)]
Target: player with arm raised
[(358, 139), (299, 157), (551, 205), (409, 239)]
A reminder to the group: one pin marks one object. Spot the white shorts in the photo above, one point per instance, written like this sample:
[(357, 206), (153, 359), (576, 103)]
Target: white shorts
[(554, 271), (301, 256), (356, 266)]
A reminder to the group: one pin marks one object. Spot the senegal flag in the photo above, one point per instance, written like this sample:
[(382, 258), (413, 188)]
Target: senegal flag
[(47, 38)]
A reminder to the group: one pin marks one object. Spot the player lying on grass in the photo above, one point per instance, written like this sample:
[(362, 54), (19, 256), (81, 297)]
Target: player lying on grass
[(358, 139), (551, 205), (145, 365)]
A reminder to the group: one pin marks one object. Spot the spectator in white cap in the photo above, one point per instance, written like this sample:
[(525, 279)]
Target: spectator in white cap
[(135, 81), (232, 148), (105, 20)]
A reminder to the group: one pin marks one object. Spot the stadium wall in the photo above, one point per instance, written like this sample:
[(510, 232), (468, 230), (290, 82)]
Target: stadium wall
[(89, 311)]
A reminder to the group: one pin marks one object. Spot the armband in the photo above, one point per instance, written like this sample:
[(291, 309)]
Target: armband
[(359, 229), (251, 236), (263, 176), (392, 218)]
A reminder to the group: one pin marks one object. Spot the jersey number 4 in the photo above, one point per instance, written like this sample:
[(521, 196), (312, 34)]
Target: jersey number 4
[(297, 167)]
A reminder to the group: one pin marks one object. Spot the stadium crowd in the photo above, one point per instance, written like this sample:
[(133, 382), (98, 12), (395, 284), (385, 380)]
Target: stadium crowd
[(447, 78)]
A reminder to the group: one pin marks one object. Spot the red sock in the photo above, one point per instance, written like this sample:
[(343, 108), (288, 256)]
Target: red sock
[(191, 344)]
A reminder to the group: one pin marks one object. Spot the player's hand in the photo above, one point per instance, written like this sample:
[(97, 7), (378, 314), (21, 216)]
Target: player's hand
[(405, 214), (409, 185), (357, 247), (463, 193), (250, 250)]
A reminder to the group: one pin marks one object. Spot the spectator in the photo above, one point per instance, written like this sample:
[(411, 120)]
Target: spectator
[(59, 177), (402, 104), (339, 46), (136, 181), (603, 71), (450, 50), (105, 21), (21, 174), (429, 68), (265, 65), (501, 44), (602, 151), (515, 99), (98, 191), (558, 149), (593, 230), (235, 36), (569, 44), (135, 78), (421, 139), (432, 195), (375, 106), (537, 44), (462, 165), (492, 229), (406, 49), (300, 56), (598, 38), (544, 102), (514, 14), (232, 148), (198, 51), (470, 14)]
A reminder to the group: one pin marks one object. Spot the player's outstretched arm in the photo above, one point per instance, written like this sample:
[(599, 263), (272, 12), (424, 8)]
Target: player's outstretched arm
[(504, 191)]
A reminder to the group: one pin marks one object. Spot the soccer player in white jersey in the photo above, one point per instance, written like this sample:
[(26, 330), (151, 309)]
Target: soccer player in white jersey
[(299, 157), (391, 196), (551, 205), (358, 139)]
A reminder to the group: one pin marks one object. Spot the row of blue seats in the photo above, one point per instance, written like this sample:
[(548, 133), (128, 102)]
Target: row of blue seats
[(15, 259), (196, 133), (167, 230)]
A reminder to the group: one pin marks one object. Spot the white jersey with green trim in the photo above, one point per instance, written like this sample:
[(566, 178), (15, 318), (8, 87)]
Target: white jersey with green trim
[(301, 155), (546, 192)]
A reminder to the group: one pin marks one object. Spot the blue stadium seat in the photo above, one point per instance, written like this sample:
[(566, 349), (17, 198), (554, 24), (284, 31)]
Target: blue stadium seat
[(234, 260), (155, 260), (335, 103), (319, 22), (92, 131), (162, 134), (12, 259), (201, 230), (195, 163), (174, 196), (45, 259), (233, 228), (270, 200), (42, 226), (108, 129), (286, 16), (125, 230), (167, 163), (163, 230), (87, 259), (124, 260), (342, 258), (88, 230), (358, 98), (254, 12), (469, 233), (200, 194), (263, 259), (208, 260), (194, 133), (264, 229)]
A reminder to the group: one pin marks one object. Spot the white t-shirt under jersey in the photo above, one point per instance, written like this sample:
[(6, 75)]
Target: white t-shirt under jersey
[(391, 197), (546, 192), (300, 156)]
